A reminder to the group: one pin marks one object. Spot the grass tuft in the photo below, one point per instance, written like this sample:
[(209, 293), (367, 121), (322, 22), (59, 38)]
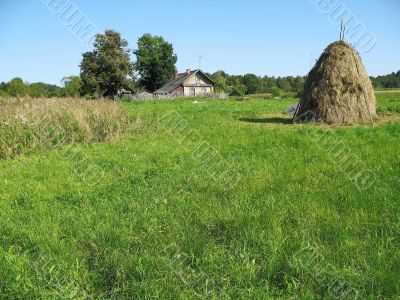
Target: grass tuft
[(50, 123)]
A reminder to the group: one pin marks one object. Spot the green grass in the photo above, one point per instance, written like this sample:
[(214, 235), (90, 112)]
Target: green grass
[(389, 101), (153, 223)]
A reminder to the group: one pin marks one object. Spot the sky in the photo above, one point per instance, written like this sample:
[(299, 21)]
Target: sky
[(263, 37)]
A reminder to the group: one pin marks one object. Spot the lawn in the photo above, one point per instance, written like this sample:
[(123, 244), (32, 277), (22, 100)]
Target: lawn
[(208, 199)]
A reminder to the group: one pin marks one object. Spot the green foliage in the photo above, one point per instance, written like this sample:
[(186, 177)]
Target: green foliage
[(220, 82), (106, 69), (274, 91), (283, 84), (155, 61), (298, 85), (253, 83), (387, 82), (72, 86), (51, 89), (36, 90), (237, 88), (288, 86), (3, 86), (16, 87), (3, 94)]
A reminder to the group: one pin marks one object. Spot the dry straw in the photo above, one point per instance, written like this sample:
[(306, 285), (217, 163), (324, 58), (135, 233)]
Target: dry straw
[(338, 89)]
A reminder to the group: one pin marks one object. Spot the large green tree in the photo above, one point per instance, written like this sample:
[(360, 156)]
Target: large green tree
[(107, 68), (155, 61), (253, 83)]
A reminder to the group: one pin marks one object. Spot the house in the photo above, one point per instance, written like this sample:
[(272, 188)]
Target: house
[(190, 84)]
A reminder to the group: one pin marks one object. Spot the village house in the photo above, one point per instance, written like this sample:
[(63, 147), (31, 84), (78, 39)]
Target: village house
[(189, 84)]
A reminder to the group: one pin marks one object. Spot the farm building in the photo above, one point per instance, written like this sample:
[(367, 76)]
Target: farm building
[(144, 95), (190, 84), (125, 92)]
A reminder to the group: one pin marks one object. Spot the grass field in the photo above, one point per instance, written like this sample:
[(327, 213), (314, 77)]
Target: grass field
[(148, 216)]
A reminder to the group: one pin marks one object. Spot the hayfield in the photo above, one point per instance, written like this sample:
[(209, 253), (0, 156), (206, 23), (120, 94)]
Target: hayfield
[(207, 199), (27, 124)]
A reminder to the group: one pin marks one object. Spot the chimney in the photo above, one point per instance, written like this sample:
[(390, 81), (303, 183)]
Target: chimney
[(176, 73), (188, 71)]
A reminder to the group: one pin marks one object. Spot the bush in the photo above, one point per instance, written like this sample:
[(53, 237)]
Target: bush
[(3, 94)]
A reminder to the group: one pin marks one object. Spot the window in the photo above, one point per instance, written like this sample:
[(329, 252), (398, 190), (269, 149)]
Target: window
[(192, 92), (204, 91), (198, 79)]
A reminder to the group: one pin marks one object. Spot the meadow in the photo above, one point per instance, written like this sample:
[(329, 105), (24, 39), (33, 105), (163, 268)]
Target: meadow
[(145, 215)]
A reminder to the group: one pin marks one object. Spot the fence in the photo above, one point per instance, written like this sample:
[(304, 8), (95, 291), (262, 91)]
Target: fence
[(147, 97)]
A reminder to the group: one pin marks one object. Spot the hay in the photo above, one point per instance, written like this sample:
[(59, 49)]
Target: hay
[(338, 89)]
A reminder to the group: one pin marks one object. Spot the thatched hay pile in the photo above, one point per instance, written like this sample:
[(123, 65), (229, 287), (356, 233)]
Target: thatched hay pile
[(338, 89)]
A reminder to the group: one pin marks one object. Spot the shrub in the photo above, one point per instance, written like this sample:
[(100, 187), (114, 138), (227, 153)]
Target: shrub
[(3, 94)]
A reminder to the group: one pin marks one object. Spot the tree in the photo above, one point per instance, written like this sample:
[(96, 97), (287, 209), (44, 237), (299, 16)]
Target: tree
[(284, 83), (237, 88), (298, 85), (36, 90), (72, 86), (52, 90), (220, 81), (3, 86), (16, 87), (106, 69), (155, 61), (253, 83), (270, 86)]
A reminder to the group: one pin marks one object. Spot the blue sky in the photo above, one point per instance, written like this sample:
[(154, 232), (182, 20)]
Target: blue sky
[(263, 37)]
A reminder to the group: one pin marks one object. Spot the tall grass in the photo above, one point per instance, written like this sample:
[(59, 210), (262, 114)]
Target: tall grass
[(48, 123)]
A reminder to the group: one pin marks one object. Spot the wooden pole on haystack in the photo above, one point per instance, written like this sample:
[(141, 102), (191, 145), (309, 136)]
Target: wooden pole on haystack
[(342, 31)]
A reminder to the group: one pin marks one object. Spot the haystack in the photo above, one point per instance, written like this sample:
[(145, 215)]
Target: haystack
[(338, 89)]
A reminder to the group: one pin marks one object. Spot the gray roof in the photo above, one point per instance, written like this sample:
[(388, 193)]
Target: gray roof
[(174, 83)]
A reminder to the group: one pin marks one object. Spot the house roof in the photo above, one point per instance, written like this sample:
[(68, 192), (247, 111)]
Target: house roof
[(174, 83)]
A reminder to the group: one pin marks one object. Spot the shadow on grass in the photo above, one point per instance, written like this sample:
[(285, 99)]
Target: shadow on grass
[(268, 120)]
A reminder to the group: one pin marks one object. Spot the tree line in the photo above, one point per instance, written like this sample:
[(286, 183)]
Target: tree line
[(109, 67), (239, 85), (389, 81), (235, 85)]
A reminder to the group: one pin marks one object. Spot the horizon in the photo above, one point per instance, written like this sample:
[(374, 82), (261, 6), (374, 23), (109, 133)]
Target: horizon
[(40, 43)]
